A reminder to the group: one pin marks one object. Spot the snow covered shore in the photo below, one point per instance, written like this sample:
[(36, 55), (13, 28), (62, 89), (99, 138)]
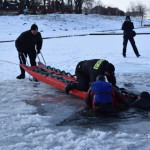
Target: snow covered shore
[(40, 117)]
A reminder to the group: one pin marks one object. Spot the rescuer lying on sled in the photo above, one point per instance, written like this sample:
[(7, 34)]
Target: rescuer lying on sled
[(87, 71), (105, 98)]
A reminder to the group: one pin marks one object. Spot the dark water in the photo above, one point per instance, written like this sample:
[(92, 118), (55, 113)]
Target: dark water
[(70, 112), (53, 110), (74, 113)]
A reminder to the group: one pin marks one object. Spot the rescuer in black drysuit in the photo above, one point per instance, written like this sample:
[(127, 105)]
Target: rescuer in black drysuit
[(87, 71)]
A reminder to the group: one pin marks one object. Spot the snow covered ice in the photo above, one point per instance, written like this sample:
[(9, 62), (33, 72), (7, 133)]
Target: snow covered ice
[(36, 116)]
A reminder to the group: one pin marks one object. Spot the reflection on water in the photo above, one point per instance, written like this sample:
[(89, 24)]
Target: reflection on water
[(69, 111), (87, 118), (82, 118)]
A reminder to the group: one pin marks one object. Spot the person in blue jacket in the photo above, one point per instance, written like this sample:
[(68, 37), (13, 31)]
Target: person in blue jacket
[(102, 96), (128, 27)]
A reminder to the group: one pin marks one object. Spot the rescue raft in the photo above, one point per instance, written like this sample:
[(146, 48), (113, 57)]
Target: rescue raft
[(53, 77)]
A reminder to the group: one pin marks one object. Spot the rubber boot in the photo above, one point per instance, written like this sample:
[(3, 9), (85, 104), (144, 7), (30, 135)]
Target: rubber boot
[(21, 76), (69, 86)]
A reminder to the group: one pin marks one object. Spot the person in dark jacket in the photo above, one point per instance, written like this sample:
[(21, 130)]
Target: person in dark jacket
[(87, 71), (29, 43), (128, 27), (141, 102)]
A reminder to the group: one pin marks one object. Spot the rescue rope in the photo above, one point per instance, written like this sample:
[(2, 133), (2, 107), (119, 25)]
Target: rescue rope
[(9, 62)]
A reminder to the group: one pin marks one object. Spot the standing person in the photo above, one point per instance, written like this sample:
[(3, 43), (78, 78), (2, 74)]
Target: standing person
[(128, 27), (26, 10), (87, 71), (28, 43)]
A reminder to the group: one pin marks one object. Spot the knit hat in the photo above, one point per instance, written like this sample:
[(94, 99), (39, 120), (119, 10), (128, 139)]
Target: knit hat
[(100, 78), (145, 95), (128, 17), (34, 27), (110, 68)]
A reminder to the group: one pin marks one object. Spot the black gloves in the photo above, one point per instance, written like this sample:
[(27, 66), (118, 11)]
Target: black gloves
[(117, 90)]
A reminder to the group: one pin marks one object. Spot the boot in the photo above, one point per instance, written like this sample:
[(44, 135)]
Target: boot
[(124, 55), (138, 55), (68, 87), (21, 76), (35, 80)]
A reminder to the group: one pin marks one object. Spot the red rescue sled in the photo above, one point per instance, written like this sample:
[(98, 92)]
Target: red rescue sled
[(59, 79), (52, 77)]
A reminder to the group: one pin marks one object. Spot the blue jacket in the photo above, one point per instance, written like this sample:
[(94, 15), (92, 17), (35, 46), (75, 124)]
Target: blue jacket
[(102, 92)]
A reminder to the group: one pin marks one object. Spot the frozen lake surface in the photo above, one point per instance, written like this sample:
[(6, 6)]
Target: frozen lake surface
[(36, 116)]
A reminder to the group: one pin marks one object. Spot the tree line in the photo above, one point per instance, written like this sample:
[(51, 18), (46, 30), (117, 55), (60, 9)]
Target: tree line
[(137, 10), (76, 6)]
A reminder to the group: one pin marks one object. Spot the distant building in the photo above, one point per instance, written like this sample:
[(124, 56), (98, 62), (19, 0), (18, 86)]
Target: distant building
[(10, 5)]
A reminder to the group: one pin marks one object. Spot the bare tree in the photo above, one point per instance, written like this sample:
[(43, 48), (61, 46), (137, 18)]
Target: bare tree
[(88, 5), (78, 6), (44, 11), (100, 7), (137, 9), (21, 6), (33, 7), (141, 9), (132, 9)]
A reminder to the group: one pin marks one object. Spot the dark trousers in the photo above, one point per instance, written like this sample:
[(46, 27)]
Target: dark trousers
[(83, 83), (23, 58), (82, 78), (125, 42)]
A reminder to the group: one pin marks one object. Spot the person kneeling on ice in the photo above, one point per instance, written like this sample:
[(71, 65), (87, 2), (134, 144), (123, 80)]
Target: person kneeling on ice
[(141, 102), (87, 71), (104, 97)]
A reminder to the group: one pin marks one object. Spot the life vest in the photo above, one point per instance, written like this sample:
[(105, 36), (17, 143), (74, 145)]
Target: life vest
[(102, 92)]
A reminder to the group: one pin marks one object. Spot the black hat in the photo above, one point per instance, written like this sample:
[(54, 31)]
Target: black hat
[(34, 27), (110, 68), (145, 98), (145, 94), (100, 78), (128, 17)]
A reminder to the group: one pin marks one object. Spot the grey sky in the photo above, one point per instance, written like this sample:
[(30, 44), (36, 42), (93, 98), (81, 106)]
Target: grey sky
[(124, 4)]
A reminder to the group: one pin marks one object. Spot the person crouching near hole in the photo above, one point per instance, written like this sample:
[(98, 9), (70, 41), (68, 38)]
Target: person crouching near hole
[(99, 96)]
